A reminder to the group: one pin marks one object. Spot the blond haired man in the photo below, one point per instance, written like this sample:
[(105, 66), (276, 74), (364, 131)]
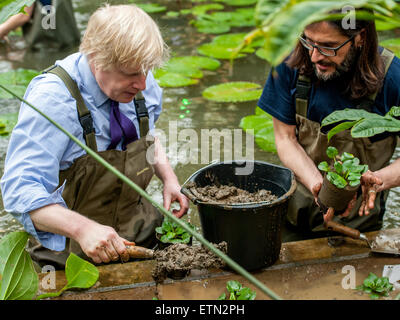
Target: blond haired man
[(106, 96)]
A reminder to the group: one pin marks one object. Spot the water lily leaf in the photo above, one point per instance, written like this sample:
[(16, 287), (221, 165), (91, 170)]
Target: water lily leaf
[(17, 81), (263, 129), (238, 3), (393, 45), (218, 51), (151, 7), (210, 27), (172, 14), (198, 62), (233, 92), (7, 123), (80, 273), (173, 80), (202, 9)]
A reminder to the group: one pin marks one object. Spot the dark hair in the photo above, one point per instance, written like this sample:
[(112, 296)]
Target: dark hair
[(369, 71)]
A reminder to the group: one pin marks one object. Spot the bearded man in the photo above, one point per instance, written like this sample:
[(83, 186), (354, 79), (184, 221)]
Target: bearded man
[(331, 69)]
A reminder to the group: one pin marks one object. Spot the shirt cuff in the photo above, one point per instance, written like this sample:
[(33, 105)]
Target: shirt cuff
[(48, 240)]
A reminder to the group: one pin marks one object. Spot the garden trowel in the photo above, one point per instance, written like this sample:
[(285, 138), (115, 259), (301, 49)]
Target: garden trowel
[(386, 241)]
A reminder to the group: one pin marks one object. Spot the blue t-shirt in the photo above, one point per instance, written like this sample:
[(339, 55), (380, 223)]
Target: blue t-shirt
[(278, 97)]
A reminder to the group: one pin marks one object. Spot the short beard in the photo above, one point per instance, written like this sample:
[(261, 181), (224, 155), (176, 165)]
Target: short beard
[(340, 69)]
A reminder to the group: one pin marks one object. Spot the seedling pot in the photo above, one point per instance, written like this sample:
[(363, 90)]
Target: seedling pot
[(331, 196), (252, 231)]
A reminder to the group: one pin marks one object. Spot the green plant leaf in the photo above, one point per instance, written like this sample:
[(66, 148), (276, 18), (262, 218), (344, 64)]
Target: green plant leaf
[(80, 273), (233, 286), (174, 80), (337, 180), (9, 8), (151, 7), (222, 296), (246, 294), (331, 152), (7, 123), (238, 3), (323, 166), (17, 81), (18, 277), (340, 127), (392, 44), (233, 92), (262, 127)]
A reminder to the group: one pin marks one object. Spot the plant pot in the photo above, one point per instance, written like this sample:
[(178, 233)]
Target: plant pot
[(253, 230), (175, 274), (331, 196)]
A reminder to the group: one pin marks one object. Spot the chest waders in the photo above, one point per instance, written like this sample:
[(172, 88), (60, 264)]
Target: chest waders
[(58, 30), (303, 214), (96, 193)]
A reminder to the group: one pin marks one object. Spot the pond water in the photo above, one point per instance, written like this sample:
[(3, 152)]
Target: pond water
[(200, 114)]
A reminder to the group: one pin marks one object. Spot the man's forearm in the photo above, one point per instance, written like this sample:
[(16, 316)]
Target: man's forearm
[(295, 158), (59, 220), (162, 167), (389, 175)]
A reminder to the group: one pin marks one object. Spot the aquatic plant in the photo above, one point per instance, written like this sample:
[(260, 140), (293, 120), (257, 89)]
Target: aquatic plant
[(18, 278), (170, 232), (362, 123), (184, 71), (238, 91), (346, 169), (376, 286), (236, 291), (16, 80), (261, 125)]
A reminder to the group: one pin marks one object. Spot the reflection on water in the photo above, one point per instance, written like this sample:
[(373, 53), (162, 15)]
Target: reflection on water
[(199, 115)]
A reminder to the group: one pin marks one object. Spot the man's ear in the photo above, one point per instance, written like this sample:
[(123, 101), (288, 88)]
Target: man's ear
[(360, 39)]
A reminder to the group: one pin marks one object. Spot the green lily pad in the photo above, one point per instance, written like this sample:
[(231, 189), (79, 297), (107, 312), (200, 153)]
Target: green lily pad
[(202, 9), (239, 91), (210, 27), (261, 123), (174, 80), (17, 81), (392, 45), (151, 7), (180, 71), (7, 123), (218, 51), (238, 3), (172, 14)]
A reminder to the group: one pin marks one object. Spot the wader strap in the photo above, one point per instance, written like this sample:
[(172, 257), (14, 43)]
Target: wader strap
[(142, 114), (85, 118), (303, 87)]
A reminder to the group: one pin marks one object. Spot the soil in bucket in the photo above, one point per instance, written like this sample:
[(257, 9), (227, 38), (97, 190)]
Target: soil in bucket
[(252, 229), (225, 194)]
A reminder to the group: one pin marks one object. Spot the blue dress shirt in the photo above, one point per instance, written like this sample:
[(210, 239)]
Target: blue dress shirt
[(37, 150)]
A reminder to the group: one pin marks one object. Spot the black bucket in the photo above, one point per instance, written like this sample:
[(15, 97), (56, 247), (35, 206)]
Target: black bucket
[(251, 230)]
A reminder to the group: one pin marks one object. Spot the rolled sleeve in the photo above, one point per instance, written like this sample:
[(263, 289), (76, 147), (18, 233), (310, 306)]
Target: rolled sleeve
[(32, 164)]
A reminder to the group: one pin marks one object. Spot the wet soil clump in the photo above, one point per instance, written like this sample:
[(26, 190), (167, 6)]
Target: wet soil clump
[(224, 194), (182, 257)]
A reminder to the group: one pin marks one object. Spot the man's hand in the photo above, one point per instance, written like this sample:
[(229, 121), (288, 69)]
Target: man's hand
[(370, 185), (328, 215), (172, 193), (101, 243)]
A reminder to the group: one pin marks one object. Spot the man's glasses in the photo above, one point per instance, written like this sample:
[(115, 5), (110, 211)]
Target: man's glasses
[(326, 51)]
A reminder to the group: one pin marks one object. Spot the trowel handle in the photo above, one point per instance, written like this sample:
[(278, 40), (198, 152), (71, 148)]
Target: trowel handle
[(350, 232), (137, 252)]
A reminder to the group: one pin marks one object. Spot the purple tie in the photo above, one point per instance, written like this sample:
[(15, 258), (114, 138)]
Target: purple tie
[(120, 126)]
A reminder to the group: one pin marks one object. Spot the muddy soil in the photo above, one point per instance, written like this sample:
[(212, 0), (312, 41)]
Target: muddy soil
[(224, 194), (181, 257)]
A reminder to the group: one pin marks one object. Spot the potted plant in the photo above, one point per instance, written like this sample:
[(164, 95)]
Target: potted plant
[(341, 180), (169, 233), (237, 292)]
